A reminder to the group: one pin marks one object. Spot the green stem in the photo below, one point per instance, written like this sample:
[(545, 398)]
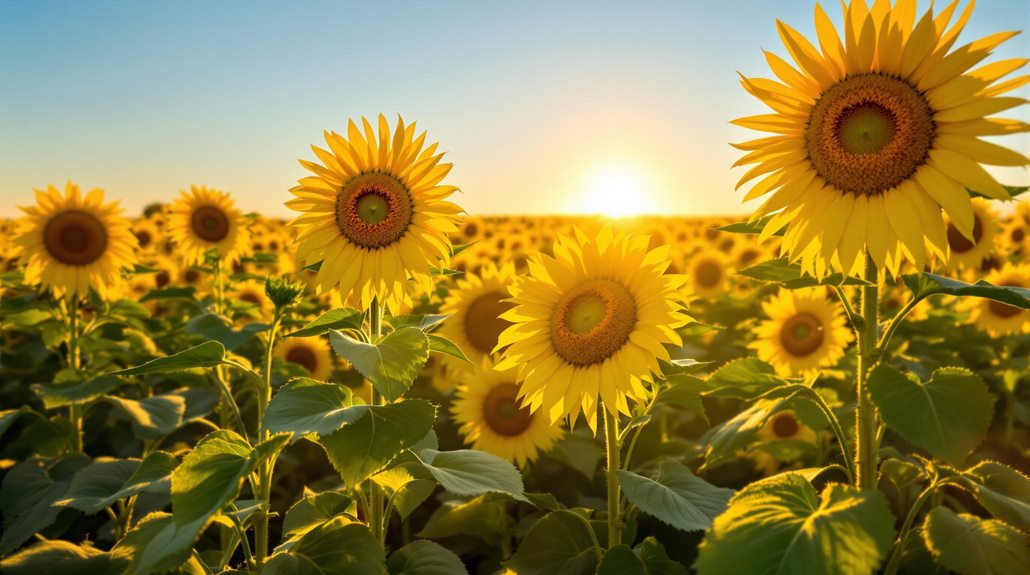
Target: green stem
[(266, 468), (865, 416), (377, 520), (838, 431), (899, 546), (76, 409), (611, 432), (896, 322)]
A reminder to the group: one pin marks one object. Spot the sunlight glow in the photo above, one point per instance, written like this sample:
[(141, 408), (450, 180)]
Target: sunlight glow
[(617, 191)]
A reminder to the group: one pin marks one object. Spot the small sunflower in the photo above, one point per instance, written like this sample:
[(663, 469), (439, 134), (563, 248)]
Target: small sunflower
[(876, 133), (375, 213), (147, 234), (783, 426), (203, 219), (969, 253), (475, 306), (1000, 318), (253, 294), (492, 418), (71, 243), (591, 323), (311, 353), (707, 273), (803, 333)]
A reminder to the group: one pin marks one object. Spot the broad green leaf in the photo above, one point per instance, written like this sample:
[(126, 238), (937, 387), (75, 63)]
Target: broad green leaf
[(286, 563), (336, 547), (158, 543), (426, 322), (725, 439), (218, 328), (314, 510), (926, 284), (28, 494), (648, 558), (407, 486), (483, 517), (9, 416), (392, 364), (151, 417), (683, 366), (173, 292), (790, 276), (746, 378), (580, 454), (969, 545), (750, 227), (56, 557), (684, 391), (306, 406), (209, 476), (207, 354), (425, 558), (468, 472), (676, 496), (108, 480), (947, 416), (559, 544), (341, 318), (780, 525), (358, 450), (440, 344), (64, 391), (1003, 491)]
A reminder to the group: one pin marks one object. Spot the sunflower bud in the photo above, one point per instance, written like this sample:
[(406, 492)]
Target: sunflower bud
[(283, 292)]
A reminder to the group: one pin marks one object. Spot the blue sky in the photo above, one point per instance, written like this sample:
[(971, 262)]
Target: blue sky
[(538, 103)]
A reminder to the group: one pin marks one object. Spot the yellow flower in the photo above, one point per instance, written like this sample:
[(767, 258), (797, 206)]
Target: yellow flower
[(803, 333), (783, 426), (147, 234), (707, 274), (253, 293), (71, 243), (474, 307), (492, 418), (591, 323), (966, 253), (203, 219), (1000, 318), (311, 353), (876, 133), (375, 213)]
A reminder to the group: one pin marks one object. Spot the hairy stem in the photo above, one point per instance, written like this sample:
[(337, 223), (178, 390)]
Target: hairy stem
[(611, 433), (264, 471), (377, 520), (865, 417)]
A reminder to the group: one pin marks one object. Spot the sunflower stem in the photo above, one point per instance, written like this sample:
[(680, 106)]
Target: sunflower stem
[(376, 517), (865, 420), (266, 468), (76, 409), (899, 544), (611, 431)]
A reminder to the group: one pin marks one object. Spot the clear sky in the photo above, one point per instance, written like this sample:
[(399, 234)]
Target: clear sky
[(544, 107)]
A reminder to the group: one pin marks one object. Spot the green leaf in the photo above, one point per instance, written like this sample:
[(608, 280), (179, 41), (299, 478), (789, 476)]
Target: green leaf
[(483, 517), (1003, 491), (314, 510), (151, 417), (215, 327), (746, 378), (468, 472), (174, 292), (926, 284), (947, 416), (580, 454), (341, 318), (676, 496), (972, 546), (209, 476), (66, 389), (98, 485), (725, 439), (780, 525), (28, 494), (392, 364), (9, 416), (158, 543), (306, 406), (684, 391), (425, 558), (336, 547), (407, 486), (558, 544), (751, 227), (440, 344), (58, 557), (649, 558), (358, 450), (790, 276), (207, 354)]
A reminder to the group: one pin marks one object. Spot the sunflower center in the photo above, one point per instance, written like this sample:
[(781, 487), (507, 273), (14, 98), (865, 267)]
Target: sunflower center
[(210, 223), (785, 425), (802, 334), (503, 412), (868, 133), (144, 238), (960, 243), (303, 357), (373, 210), (593, 321), (75, 238), (708, 274), (162, 278), (483, 325)]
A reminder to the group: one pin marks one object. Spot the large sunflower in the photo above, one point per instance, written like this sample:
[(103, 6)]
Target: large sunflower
[(492, 418), (876, 133), (71, 243), (1001, 318), (311, 353), (475, 306), (804, 332), (203, 219), (591, 323), (375, 213)]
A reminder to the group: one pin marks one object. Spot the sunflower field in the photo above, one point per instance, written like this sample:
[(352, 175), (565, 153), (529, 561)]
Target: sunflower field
[(837, 384)]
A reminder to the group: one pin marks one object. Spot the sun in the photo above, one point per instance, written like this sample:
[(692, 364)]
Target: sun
[(617, 191)]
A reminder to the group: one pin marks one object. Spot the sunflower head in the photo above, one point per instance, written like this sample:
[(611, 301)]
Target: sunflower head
[(875, 132), (1000, 318), (970, 252), (310, 353), (375, 213), (72, 242), (590, 324), (803, 333), (475, 306), (205, 219)]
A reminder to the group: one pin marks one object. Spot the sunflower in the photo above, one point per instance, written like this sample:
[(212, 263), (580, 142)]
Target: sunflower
[(147, 234), (969, 253), (803, 333), (1000, 318), (591, 323), (493, 418), (1017, 236), (783, 426), (475, 306), (876, 133), (375, 213), (255, 302), (707, 273), (71, 243), (204, 219), (311, 353)]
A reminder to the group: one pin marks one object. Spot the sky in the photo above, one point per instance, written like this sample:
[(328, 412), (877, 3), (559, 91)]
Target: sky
[(543, 107)]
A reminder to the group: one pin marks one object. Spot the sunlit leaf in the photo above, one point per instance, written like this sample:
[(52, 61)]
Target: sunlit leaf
[(970, 545), (676, 496), (392, 364)]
